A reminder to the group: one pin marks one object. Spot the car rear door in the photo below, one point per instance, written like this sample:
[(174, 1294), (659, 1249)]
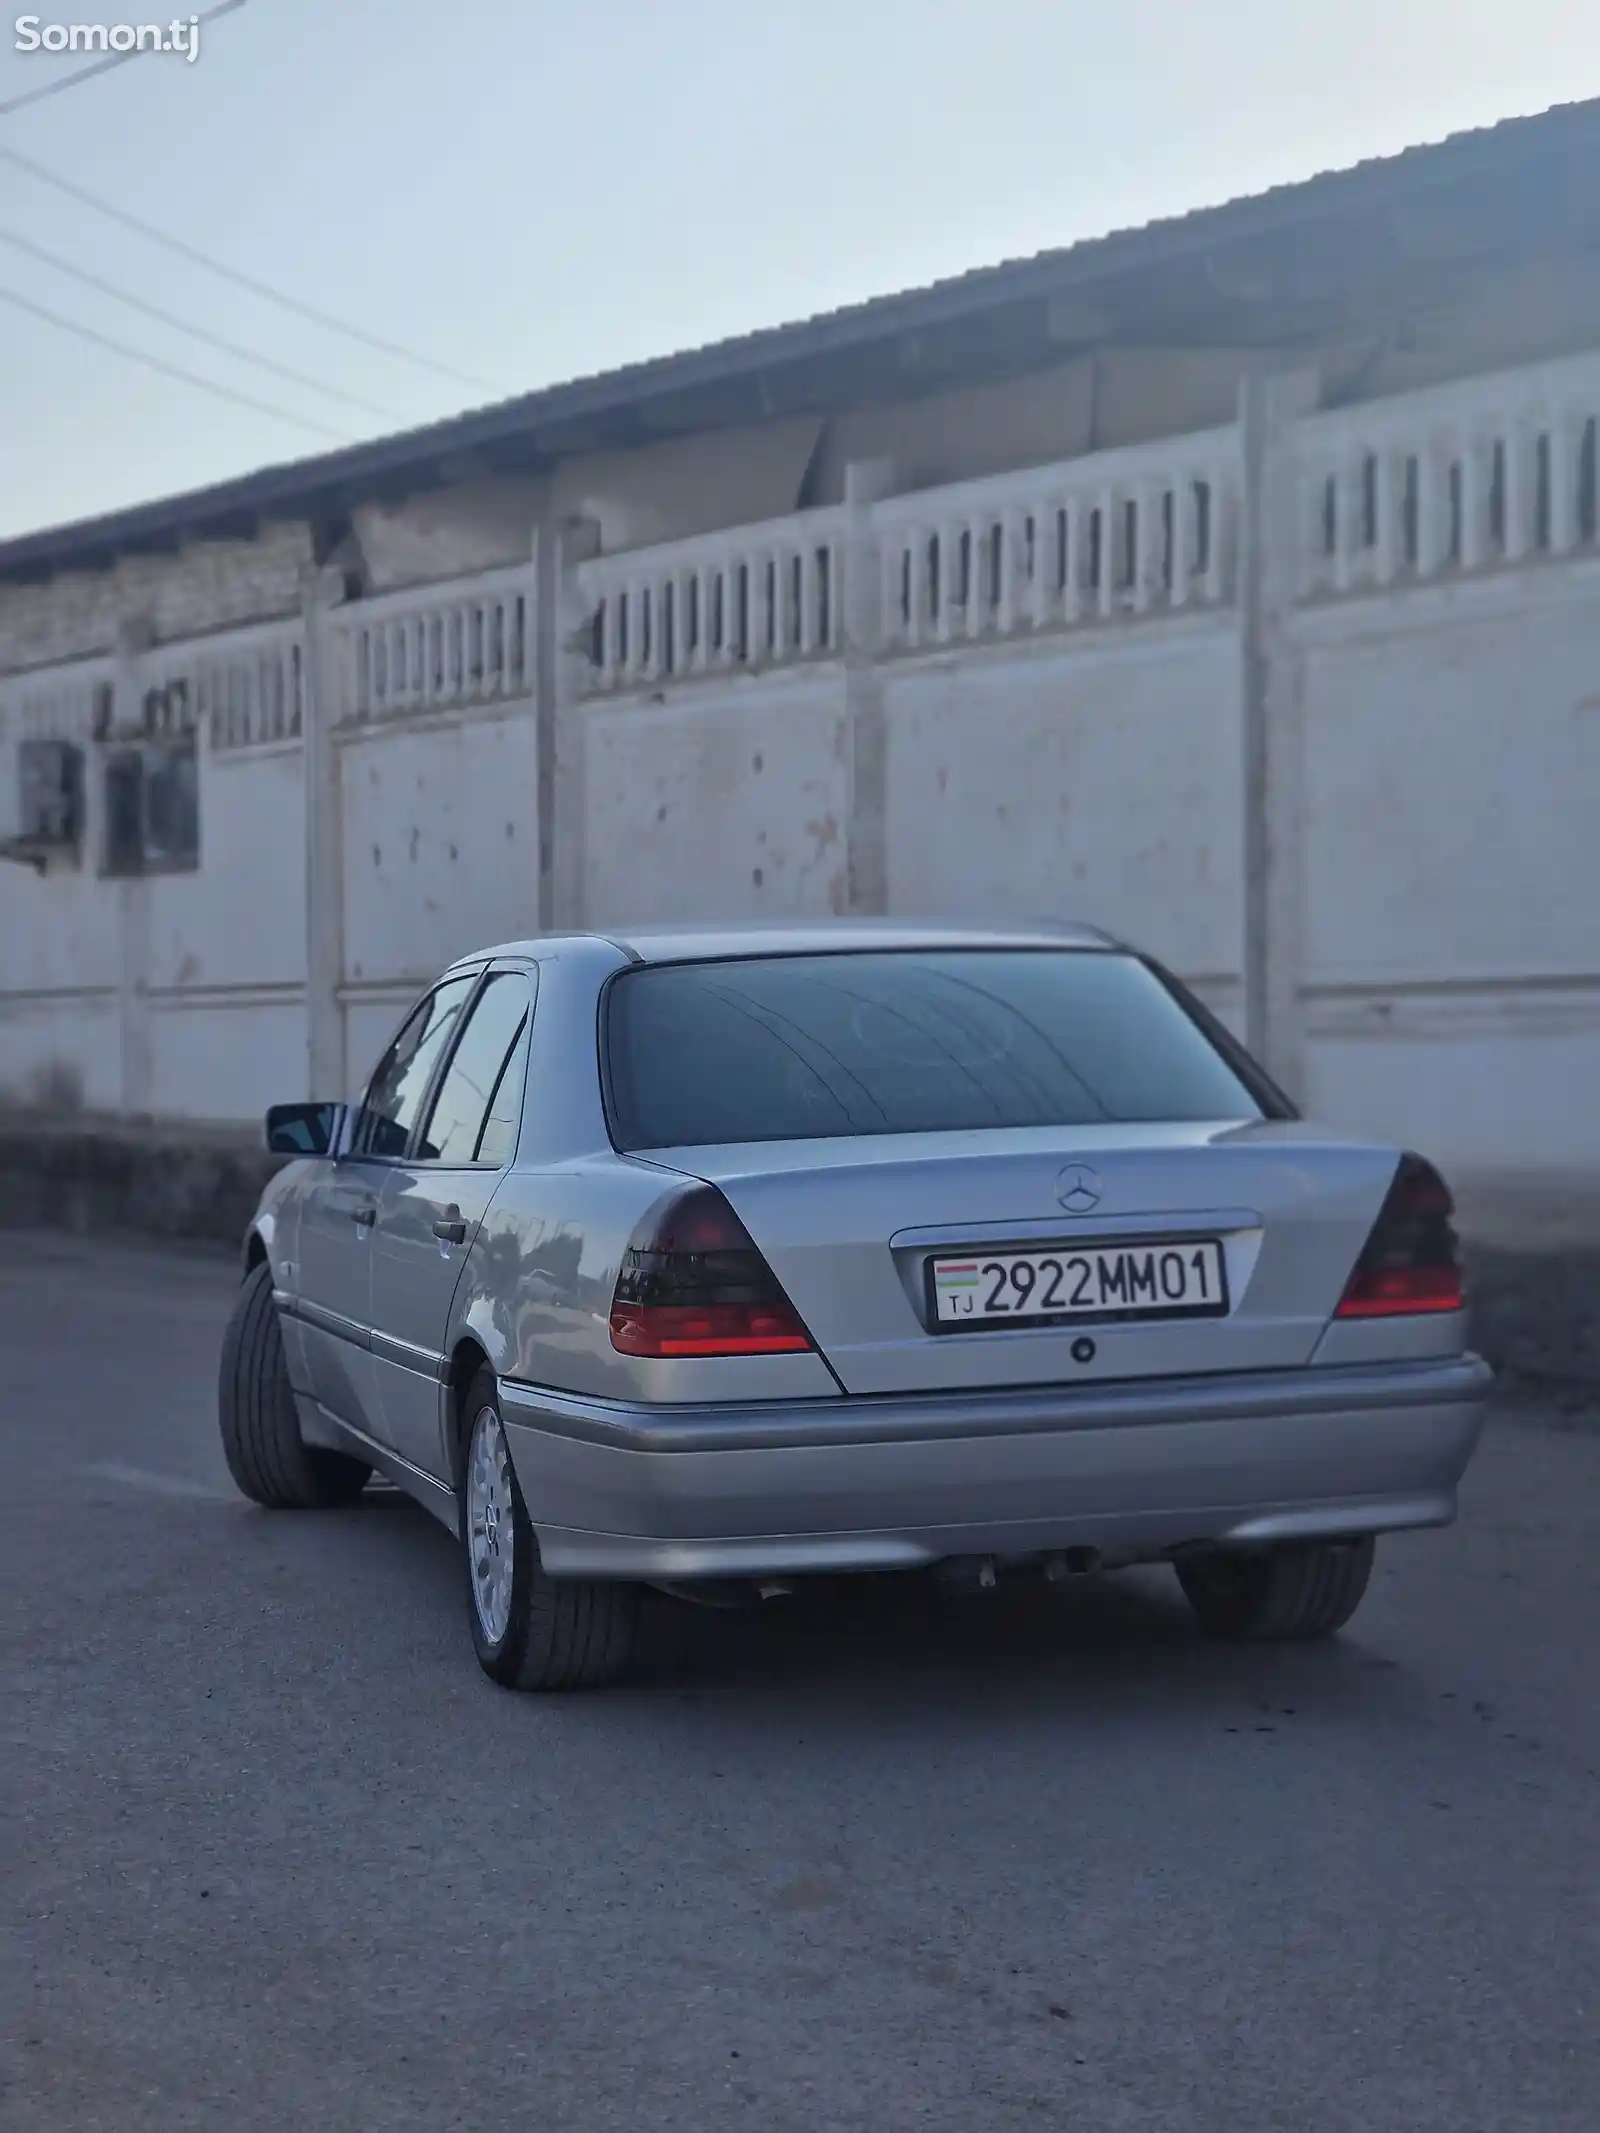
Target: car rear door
[(433, 1204), (339, 1212)]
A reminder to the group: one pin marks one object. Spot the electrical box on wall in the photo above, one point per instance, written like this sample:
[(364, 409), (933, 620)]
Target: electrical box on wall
[(42, 816), (50, 793), (151, 817)]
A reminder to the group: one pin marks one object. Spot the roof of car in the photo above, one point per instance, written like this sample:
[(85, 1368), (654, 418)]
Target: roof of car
[(718, 940)]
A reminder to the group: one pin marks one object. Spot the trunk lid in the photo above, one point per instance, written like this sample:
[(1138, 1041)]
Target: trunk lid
[(849, 1227)]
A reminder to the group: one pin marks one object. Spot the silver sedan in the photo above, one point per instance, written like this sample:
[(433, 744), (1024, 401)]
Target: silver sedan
[(717, 1259)]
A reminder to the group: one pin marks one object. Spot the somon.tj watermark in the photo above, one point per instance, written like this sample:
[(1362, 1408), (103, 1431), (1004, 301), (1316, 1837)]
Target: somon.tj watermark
[(181, 36)]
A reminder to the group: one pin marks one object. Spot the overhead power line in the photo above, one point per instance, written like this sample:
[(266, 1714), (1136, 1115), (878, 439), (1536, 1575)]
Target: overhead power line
[(199, 333), (241, 280), (170, 370), (104, 66)]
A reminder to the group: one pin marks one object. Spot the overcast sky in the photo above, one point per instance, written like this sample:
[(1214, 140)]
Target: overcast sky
[(525, 191)]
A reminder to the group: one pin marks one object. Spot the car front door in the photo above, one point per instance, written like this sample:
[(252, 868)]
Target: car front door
[(339, 1212), (433, 1204)]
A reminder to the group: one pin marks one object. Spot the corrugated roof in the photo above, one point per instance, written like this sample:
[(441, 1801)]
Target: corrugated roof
[(295, 485)]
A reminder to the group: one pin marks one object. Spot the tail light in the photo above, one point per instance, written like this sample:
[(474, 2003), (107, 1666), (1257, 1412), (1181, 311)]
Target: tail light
[(1412, 1261), (693, 1283)]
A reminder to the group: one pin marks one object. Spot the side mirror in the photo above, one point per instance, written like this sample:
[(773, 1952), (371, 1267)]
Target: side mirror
[(304, 1129)]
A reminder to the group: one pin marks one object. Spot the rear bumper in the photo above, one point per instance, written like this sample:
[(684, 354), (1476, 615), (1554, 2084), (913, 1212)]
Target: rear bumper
[(670, 1493)]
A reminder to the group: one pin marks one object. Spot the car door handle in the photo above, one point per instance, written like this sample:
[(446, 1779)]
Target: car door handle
[(450, 1232), (364, 1217)]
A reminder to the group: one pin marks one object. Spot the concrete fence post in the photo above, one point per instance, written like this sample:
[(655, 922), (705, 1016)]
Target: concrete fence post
[(326, 1062), (563, 620), (136, 1085), (861, 637), (1273, 769)]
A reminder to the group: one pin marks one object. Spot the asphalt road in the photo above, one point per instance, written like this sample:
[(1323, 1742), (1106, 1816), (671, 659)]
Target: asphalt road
[(282, 1858)]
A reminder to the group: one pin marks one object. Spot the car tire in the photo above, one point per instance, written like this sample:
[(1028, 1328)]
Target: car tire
[(530, 1630), (267, 1456), (1306, 1590)]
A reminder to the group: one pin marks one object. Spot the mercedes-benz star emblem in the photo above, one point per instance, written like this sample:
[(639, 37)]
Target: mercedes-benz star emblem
[(1078, 1189)]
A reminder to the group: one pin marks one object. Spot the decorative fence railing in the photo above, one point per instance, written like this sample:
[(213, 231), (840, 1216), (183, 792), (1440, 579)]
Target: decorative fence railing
[(1486, 474), (467, 642), (757, 596), (243, 689), (1491, 472), (67, 703), (1138, 532), (1118, 534)]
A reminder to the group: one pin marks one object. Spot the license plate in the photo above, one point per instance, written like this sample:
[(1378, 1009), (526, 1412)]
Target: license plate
[(1176, 1278)]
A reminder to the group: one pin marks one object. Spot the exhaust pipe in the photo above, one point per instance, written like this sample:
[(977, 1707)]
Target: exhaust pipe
[(967, 1574)]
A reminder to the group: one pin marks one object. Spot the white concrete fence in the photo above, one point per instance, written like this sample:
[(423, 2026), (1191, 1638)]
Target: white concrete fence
[(1174, 636)]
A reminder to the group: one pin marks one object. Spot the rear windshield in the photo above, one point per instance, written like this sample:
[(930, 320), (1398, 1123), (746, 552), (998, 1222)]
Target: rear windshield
[(905, 1041)]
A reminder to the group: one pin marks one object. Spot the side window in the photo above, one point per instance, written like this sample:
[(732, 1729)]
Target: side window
[(474, 1115), (497, 1143), (394, 1096)]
